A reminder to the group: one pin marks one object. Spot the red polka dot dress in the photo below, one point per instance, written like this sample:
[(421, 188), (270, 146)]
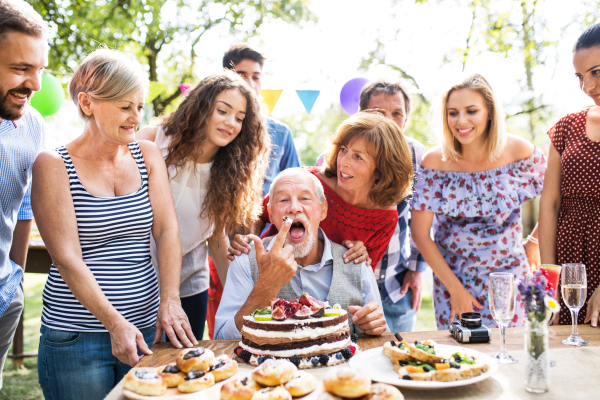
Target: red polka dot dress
[(578, 235)]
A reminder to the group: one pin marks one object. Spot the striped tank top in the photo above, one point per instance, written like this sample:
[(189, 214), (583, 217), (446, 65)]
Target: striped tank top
[(114, 233)]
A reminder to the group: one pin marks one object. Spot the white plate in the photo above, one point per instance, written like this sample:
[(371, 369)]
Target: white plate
[(381, 369)]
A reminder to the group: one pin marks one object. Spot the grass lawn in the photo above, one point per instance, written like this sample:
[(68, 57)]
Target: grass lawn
[(22, 383)]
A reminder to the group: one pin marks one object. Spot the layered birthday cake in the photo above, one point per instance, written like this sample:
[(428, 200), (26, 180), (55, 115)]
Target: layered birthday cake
[(306, 331)]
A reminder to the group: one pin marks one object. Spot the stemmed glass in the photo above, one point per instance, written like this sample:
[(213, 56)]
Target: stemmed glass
[(574, 290), (502, 298)]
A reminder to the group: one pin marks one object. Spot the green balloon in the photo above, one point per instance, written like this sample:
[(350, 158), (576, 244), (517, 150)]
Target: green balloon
[(50, 97)]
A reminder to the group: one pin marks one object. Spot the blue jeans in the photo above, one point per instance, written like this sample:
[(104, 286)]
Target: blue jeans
[(80, 365), (400, 316)]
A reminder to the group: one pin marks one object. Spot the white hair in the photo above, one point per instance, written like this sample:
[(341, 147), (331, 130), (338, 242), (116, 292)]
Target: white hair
[(320, 192)]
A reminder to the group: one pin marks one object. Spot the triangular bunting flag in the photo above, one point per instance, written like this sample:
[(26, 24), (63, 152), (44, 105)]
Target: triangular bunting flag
[(308, 98), (184, 88), (156, 89), (271, 97)]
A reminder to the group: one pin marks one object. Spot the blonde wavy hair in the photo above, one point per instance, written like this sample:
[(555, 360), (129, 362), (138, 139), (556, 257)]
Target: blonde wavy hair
[(233, 199), (496, 131), (386, 144)]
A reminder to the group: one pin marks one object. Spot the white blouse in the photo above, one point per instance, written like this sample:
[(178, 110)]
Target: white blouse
[(189, 186)]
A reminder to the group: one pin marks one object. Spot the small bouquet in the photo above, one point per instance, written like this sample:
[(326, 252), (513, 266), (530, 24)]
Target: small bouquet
[(539, 304), (538, 298)]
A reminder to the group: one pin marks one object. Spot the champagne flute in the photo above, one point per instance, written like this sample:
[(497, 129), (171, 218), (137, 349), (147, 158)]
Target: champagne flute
[(574, 291), (502, 298)]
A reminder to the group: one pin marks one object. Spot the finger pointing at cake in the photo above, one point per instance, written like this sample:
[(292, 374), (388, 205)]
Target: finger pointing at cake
[(275, 269)]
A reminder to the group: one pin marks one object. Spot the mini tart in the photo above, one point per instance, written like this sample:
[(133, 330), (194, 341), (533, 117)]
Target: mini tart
[(241, 389), (272, 393), (223, 368), (196, 381), (429, 357), (397, 351), (274, 372), (144, 382), (171, 375), (381, 391), (195, 359), (346, 382), (301, 384)]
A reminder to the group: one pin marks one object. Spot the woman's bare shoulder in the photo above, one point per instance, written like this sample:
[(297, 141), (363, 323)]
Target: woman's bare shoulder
[(432, 159), (49, 162), (517, 148), (147, 133)]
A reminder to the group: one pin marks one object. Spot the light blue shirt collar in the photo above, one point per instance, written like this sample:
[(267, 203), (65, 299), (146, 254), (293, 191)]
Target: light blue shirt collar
[(326, 257)]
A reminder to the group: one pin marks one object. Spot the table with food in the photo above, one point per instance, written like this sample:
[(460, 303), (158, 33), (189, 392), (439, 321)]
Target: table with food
[(304, 349)]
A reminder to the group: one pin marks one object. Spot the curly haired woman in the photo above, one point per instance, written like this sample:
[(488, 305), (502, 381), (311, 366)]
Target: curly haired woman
[(213, 145)]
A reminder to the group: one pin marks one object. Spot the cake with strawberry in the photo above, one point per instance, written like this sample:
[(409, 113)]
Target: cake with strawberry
[(308, 332)]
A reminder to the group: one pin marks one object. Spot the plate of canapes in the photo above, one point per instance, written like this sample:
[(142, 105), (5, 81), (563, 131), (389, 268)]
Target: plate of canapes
[(425, 365)]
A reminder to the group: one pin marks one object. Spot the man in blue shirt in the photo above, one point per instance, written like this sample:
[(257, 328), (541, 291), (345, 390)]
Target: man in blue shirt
[(300, 259), (248, 63), (23, 56)]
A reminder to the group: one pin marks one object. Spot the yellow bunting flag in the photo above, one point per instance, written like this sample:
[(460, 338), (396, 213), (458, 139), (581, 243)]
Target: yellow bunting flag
[(271, 97), (156, 89)]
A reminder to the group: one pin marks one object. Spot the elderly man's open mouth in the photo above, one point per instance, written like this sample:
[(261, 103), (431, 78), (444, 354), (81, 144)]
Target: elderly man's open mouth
[(297, 231)]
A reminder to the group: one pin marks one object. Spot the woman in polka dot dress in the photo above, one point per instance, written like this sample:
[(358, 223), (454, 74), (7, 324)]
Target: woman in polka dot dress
[(570, 202)]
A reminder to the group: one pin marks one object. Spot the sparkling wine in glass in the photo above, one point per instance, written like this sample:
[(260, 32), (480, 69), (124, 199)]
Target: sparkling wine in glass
[(502, 299), (574, 291)]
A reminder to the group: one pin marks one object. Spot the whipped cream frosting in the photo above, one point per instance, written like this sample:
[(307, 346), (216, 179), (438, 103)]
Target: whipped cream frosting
[(322, 348), (298, 333)]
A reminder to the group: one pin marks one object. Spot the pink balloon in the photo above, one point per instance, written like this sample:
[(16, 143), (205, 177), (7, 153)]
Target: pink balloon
[(350, 94)]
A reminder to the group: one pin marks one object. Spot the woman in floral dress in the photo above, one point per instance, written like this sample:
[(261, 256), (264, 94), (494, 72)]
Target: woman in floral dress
[(474, 183)]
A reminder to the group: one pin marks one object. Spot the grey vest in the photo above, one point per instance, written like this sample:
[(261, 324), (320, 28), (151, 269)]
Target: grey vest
[(345, 289)]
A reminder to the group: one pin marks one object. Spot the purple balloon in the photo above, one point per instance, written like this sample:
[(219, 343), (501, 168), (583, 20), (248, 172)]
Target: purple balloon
[(350, 94)]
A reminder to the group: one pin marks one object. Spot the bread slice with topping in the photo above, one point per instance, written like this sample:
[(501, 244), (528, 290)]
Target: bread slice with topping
[(425, 352), (397, 351), (458, 367)]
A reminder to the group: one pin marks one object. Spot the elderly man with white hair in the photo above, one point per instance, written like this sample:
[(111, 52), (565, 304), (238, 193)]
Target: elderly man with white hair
[(300, 259)]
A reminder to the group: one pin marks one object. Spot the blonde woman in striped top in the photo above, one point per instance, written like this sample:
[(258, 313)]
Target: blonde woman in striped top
[(96, 200)]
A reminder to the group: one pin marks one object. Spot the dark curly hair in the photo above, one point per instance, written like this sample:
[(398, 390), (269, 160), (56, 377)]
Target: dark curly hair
[(233, 199)]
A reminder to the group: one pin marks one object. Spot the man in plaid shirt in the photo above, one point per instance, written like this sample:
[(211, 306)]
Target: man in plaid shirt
[(399, 271)]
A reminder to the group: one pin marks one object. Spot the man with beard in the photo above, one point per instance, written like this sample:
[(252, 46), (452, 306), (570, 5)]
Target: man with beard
[(23, 56), (300, 259)]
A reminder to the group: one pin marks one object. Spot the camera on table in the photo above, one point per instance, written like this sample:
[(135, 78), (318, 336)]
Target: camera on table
[(470, 329)]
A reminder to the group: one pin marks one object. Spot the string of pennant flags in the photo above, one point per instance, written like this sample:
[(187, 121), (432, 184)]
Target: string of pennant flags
[(270, 96), (49, 98)]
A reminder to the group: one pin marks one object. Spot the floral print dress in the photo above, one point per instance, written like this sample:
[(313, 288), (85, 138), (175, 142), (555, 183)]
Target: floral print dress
[(477, 226)]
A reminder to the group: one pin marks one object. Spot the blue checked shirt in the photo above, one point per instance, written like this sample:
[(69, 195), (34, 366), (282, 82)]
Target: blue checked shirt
[(402, 253), (20, 143), (283, 152)]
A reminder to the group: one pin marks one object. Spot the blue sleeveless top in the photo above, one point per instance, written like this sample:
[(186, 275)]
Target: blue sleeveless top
[(114, 233)]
